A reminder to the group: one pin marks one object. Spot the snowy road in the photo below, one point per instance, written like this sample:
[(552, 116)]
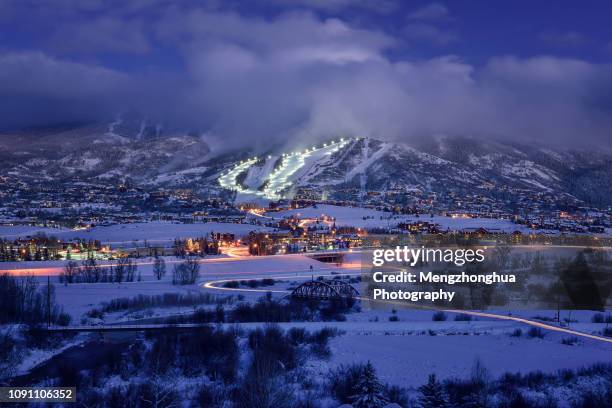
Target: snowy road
[(216, 285)]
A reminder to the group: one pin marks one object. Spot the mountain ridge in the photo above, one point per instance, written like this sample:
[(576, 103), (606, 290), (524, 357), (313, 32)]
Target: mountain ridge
[(155, 157)]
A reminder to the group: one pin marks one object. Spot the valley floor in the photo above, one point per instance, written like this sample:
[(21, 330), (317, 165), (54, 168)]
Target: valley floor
[(404, 352)]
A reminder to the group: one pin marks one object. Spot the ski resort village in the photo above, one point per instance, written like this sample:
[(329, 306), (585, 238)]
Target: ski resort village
[(305, 204), (243, 280)]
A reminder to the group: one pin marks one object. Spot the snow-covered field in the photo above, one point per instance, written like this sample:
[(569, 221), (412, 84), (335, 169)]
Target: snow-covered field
[(19, 231), (408, 359), (370, 218), (129, 234), (404, 352), (78, 298)]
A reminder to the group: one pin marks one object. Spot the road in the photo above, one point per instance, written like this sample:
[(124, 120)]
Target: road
[(43, 268), (232, 254), (210, 266), (238, 265), (216, 285)]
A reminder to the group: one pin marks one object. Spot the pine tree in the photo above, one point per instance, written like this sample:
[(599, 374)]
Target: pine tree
[(581, 286), (432, 394), (370, 390)]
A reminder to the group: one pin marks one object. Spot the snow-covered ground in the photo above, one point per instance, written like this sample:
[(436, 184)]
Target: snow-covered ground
[(406, 351), (37, 356), (403, 352), (19, 231), (408, 359), (159, 232), (371, 218), (78, 298), (155, 232)]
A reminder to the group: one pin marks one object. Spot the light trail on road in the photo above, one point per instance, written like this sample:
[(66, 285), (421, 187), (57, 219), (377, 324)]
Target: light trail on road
[(212, 285), (55, 271), (298, 273), (235, 254)]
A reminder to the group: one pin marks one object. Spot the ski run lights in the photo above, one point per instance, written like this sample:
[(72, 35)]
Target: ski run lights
[(280, 178)]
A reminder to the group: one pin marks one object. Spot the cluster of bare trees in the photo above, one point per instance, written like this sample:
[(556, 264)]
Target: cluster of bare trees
[(187, 272), (126, 270), (159, 268), (22, 300), (90, 271)]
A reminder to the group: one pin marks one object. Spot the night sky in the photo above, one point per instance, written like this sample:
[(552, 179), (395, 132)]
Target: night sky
[(263, 70)]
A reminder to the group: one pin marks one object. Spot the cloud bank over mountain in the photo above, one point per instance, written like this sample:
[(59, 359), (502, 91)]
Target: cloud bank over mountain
[(252, 78)]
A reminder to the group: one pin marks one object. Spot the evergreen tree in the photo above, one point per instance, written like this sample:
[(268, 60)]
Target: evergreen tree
[(432, 394), (581, 286), (370, 390)]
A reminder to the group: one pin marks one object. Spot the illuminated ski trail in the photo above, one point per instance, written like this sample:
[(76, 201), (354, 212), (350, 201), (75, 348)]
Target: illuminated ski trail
[(279, 179), (228, 180)]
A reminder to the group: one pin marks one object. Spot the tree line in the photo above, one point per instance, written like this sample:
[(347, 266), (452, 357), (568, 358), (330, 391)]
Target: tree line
[(90, 271), (23, 300)]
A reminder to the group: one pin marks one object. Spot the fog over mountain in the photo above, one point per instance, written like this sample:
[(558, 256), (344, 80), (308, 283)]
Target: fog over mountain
[(298, 71), (131, 149)]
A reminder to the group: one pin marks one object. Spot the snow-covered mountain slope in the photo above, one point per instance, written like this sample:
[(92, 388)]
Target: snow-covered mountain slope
[(464, 166), (103, 152), (155, 157)]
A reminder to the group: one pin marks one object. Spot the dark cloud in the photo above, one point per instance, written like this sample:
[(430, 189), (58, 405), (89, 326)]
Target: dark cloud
[(564, 39), (430, 33), (36, 89), (102, 34), (431, 12), (377, 6), (429, 23), (297, 75)]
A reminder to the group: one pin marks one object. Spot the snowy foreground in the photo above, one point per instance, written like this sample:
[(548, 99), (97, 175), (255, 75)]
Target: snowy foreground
[(403, 352)]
